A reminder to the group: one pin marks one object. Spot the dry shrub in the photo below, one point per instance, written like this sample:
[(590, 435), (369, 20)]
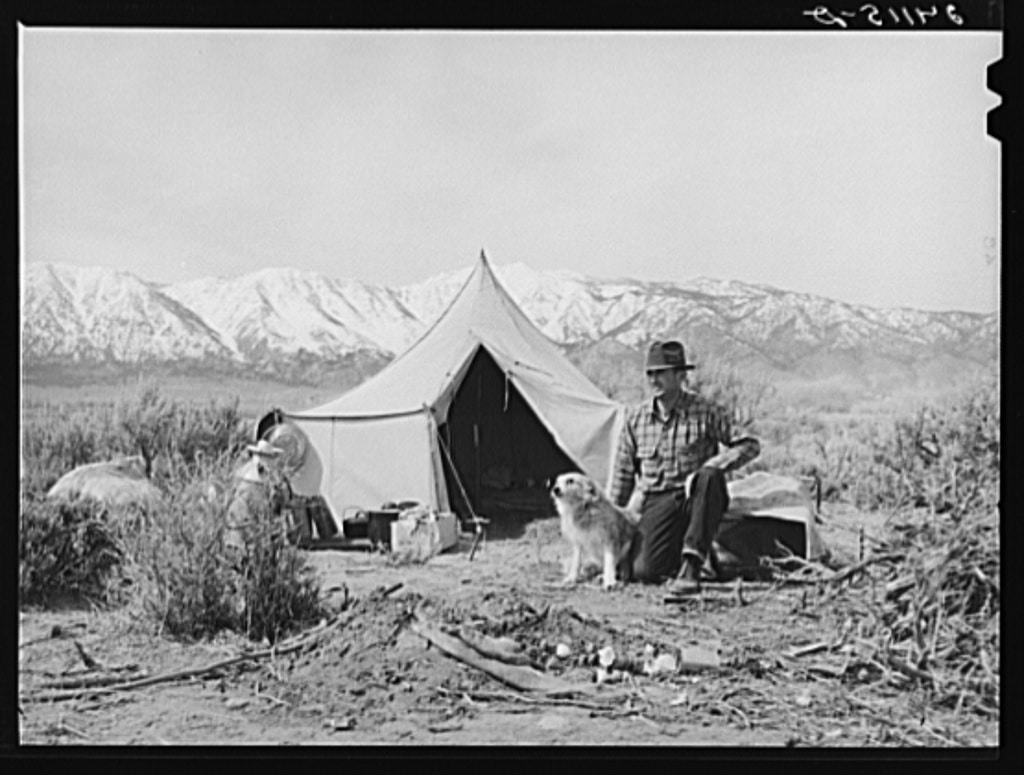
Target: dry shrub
[(171, 436), (66, 549), (930, 618), (205, 432), (280, 589), (943, 457), (191, 585), (741, 393), (182, 579), (171, 562), (146, 419), (60, 438), (179, 434), (938, 622)]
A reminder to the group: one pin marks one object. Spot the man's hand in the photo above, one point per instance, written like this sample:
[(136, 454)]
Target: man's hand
[(726, 457), (635, 503)]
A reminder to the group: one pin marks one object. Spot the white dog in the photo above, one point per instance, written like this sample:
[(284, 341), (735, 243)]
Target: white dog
[(598, 530)]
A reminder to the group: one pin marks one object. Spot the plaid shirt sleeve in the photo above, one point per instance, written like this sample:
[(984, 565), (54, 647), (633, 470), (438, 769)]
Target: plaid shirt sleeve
[(623, 477), (749, 447)]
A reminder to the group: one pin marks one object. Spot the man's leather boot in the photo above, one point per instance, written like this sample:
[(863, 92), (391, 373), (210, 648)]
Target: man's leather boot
[(688, 581)]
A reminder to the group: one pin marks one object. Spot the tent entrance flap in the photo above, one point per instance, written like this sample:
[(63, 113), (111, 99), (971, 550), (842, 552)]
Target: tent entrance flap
[(502, 453)]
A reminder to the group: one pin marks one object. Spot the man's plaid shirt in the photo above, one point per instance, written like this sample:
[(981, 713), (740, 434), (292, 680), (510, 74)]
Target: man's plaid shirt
[(658, 454)]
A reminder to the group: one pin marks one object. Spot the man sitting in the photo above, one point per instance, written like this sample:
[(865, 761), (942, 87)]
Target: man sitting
[(673, 437)]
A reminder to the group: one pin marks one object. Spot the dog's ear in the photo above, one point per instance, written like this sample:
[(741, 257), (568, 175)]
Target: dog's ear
[(591, 489)]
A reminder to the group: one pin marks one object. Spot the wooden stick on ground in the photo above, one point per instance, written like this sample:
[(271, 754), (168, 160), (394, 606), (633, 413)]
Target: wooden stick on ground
[(910, 671), (494, 648), (85, 682), (845, 573), (516, 676), (555, 701), (811, 648), (734, 709), (90, 663), (151, 681)]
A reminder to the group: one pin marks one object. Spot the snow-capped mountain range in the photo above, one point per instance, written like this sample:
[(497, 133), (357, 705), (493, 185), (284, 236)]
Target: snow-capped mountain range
[(279, 322)]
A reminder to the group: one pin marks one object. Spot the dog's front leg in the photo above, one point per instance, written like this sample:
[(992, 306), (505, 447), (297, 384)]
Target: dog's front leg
[(609, 580), (573, 574)]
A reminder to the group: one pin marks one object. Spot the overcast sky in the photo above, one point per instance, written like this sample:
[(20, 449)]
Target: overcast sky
[(854, 166)]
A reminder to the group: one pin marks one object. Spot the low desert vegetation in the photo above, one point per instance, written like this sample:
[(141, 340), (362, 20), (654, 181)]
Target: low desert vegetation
[(65, 550), (190, 585), (930, 467), (942, 453), (931, 614), (168, 563), (170, 435)]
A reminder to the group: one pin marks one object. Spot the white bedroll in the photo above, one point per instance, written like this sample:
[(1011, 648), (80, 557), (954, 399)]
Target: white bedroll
[(114, 483), (770, 497)]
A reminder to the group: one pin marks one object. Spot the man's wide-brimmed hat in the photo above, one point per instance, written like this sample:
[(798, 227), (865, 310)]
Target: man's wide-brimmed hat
[(264, 448), (667, 355)]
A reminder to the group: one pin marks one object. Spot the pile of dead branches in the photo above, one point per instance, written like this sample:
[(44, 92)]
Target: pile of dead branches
[(928, 598), (939, 618)]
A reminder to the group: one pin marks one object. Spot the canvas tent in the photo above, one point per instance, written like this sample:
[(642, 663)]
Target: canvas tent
[(484, 404), (482, 400)]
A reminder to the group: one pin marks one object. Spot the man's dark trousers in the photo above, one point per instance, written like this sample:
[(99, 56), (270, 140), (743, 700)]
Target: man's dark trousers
[(672, 524)]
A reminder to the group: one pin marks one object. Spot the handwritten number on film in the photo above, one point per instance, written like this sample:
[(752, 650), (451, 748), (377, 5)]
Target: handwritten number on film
[(879, 17), (990, 250)]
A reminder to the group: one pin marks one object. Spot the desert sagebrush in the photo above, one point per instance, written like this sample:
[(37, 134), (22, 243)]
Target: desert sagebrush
[(279, 589), (173, 564), (64, 549)]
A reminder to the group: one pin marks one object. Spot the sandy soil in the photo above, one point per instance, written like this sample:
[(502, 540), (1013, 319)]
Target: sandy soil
[(375, 681)]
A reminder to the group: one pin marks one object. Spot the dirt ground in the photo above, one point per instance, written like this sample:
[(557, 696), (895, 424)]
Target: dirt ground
[(375, 681)]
